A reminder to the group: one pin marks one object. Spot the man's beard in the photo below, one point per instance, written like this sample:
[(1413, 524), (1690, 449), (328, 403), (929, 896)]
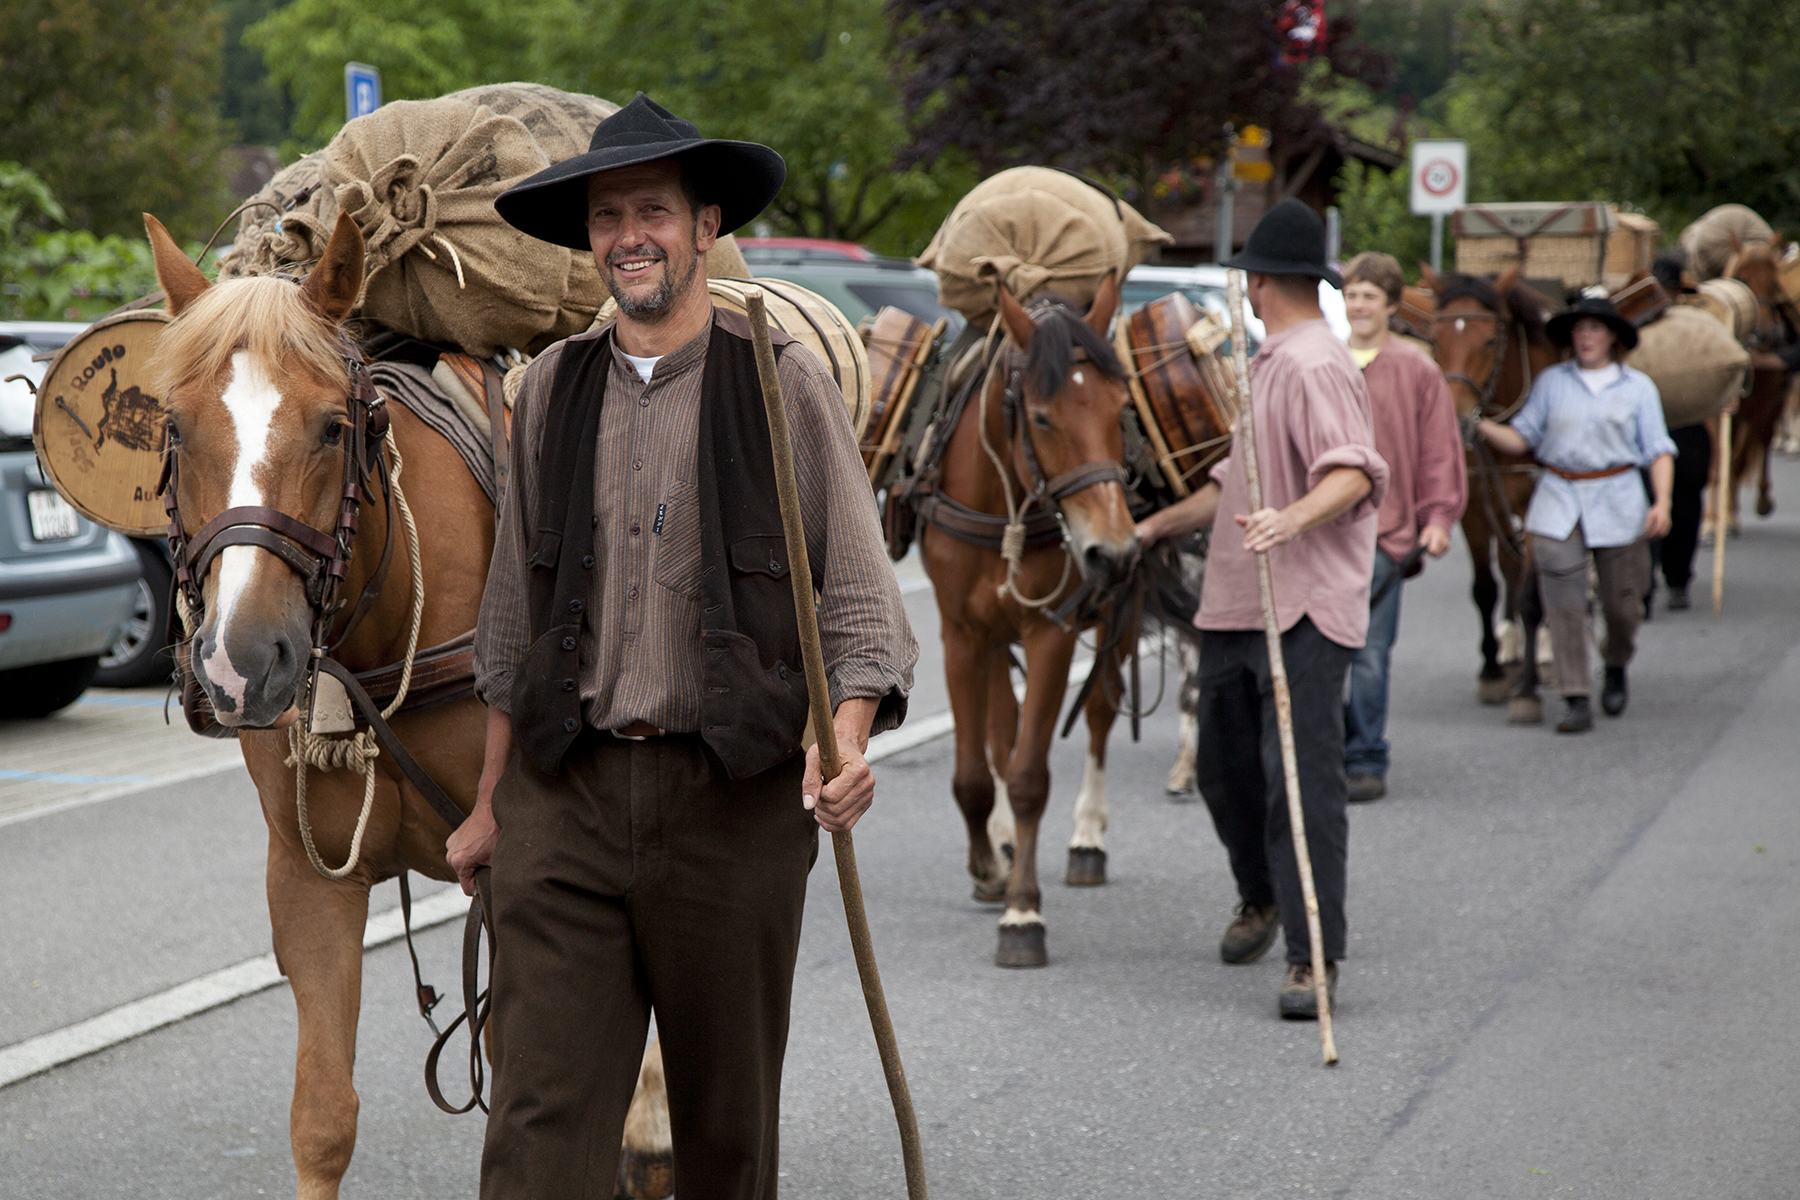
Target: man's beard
[(657, 305)]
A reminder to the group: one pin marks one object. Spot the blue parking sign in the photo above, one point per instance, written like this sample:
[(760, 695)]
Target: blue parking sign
[(362, 90)]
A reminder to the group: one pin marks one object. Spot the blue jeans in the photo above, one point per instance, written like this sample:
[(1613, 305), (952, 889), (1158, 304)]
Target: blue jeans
[(1365, 712)]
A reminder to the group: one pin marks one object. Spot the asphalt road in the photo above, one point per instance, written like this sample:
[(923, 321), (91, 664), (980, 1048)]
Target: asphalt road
[(1572, 969)]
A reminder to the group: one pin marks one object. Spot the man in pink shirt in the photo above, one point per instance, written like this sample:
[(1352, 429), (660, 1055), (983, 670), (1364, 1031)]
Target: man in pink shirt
[(1323, 484), (1416, 434)]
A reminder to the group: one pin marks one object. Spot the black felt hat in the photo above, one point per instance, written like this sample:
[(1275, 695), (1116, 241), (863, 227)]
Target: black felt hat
[(1289, 240), (1561, 327), (740, 177)]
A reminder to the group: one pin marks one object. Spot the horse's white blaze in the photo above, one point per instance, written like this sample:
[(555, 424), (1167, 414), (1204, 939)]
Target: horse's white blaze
[(250, 400), (1019, 916), (1000, 821), (1090, 808)]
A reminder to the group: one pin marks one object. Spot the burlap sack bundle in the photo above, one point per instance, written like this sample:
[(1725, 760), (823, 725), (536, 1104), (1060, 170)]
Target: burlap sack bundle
[(1711, 240), (1034, 230), (420, 177), (1694, 361)]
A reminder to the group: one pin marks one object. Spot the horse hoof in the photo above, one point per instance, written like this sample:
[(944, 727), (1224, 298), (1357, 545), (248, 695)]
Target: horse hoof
[(1021, 946), (989, 893), (1087, 867), (1525, 710), (1185, 795), (1764, 505), (1492, 691), (646, 1176)]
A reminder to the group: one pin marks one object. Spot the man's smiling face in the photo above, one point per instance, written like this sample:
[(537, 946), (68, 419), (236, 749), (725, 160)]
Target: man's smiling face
[(646, 237)]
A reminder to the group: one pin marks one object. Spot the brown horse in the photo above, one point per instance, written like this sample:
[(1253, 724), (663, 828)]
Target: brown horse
[(1757, 265), (258, 387), (1488, 337), (1049, 405)]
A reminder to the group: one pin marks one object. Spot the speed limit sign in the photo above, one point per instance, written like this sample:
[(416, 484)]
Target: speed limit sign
[(1440, 176)]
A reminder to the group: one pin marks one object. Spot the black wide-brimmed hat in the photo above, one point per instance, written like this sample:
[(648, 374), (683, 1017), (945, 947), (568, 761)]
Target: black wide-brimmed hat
[(1561, 327), (740, 177), (1289, 240)]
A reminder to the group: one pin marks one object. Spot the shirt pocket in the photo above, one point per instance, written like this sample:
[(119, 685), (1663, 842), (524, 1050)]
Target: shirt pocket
[(675, 540)]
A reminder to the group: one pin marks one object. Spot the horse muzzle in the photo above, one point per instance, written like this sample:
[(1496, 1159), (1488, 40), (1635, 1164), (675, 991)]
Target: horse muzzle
[(252, 679)]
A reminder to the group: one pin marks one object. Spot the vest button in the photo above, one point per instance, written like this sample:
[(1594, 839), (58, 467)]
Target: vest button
[(587, 560), (568, 643), (596, 522), (568, 685), (781, 670), (574, 606), (775, 566), (571, 725)]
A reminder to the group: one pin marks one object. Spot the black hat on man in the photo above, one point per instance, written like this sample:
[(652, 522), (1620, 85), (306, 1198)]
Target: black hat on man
[(1561, 327), (1289, 240), (740, 177)]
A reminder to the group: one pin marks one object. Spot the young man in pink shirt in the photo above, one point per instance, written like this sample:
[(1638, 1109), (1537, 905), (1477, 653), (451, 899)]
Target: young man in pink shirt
[(1416, 434), (1323, 483)]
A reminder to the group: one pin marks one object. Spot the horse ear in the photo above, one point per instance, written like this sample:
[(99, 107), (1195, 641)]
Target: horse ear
[(1106, 304), (1509, 279), (1018, 322), (1429, 276), (333, 286), (181, 281)]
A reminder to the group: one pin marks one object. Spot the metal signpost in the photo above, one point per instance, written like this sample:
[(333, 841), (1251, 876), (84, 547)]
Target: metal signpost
[(362, 90), (1440, 185)]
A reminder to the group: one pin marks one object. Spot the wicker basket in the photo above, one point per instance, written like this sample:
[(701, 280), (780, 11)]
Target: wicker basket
[(1630, 248), (1561, 242)]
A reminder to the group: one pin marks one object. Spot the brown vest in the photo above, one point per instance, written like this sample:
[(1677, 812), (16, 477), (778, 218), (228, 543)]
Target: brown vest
[(754, 706)]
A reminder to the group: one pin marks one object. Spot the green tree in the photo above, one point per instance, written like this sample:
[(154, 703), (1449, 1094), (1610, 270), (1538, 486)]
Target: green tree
[(423, 48), (1373, 214), (258, 106), (110, 102), (1672, 106)]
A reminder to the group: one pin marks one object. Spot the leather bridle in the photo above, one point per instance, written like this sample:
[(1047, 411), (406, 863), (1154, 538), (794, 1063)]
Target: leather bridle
[(1050, 490), (321, 560), (1484, 391)]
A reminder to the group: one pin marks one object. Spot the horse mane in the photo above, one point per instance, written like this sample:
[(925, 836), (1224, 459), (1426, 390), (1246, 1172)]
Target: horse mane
[(266, 316), (1522, 304), (1048, 359)]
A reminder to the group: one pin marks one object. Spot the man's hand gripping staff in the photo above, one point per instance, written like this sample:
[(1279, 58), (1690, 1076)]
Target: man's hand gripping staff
[(848, 785)]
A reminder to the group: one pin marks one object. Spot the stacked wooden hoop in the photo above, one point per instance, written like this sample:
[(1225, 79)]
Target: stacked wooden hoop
[(1181, 387)]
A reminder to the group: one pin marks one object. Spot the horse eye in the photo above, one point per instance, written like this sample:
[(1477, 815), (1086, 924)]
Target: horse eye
[(334, 433), (1040, 420), (172, 435)]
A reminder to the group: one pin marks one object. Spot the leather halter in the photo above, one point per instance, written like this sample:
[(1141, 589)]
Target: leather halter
[(1484, 392), (1087, 475), (321, 560)]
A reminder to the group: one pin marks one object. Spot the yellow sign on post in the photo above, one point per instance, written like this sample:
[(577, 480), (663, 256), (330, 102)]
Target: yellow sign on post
[(1250, 156)]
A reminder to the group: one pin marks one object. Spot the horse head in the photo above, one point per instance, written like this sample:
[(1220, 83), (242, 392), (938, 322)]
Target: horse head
[(258, 386), (1065, 397), (1482, 330), (1758, 266)]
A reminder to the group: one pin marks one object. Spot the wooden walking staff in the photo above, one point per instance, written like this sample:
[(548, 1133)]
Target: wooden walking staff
[(1284, 705), (1721, 511), (830, 763)]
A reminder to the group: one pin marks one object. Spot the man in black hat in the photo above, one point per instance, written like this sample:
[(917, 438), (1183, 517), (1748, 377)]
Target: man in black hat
[(1323, 484), (644, 804), (1593, 423)]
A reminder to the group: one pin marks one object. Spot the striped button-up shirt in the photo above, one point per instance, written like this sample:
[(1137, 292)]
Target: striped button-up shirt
[(640, 642)]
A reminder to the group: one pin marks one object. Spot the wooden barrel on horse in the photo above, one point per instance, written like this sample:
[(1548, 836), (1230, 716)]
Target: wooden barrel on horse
[(899, 347), (1181, 388)]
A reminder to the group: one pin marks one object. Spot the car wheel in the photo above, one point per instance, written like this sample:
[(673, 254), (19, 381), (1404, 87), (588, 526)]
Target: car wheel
[(39, 690), (139, 655)]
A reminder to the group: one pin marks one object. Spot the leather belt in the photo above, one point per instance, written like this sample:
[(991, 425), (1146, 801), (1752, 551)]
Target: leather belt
[(1607, 473), (637, 731)]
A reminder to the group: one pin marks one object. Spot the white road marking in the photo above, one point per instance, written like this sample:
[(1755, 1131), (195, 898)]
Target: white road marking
[(114, 793), (36, 1055)]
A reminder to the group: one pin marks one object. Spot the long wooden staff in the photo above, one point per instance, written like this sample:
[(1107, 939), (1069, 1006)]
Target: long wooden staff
[(1284, 705), (1721, 511), (830, 763)]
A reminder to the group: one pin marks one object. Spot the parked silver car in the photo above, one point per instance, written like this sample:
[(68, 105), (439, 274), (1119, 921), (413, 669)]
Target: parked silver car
[(67, 586)]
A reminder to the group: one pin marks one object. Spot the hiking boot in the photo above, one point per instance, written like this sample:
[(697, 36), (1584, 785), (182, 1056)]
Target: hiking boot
[(1613, 695), (1578, 717), (1299, 1001), (1678, 600), (1365, 787), (1250, 934)]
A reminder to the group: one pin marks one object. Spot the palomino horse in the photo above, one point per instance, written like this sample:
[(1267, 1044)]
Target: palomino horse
[(259, 400), (1044, 429), (1489, 339), (1759, 412)]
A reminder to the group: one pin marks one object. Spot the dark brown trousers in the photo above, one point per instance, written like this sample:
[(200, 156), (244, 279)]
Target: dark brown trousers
[(642, 878)]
